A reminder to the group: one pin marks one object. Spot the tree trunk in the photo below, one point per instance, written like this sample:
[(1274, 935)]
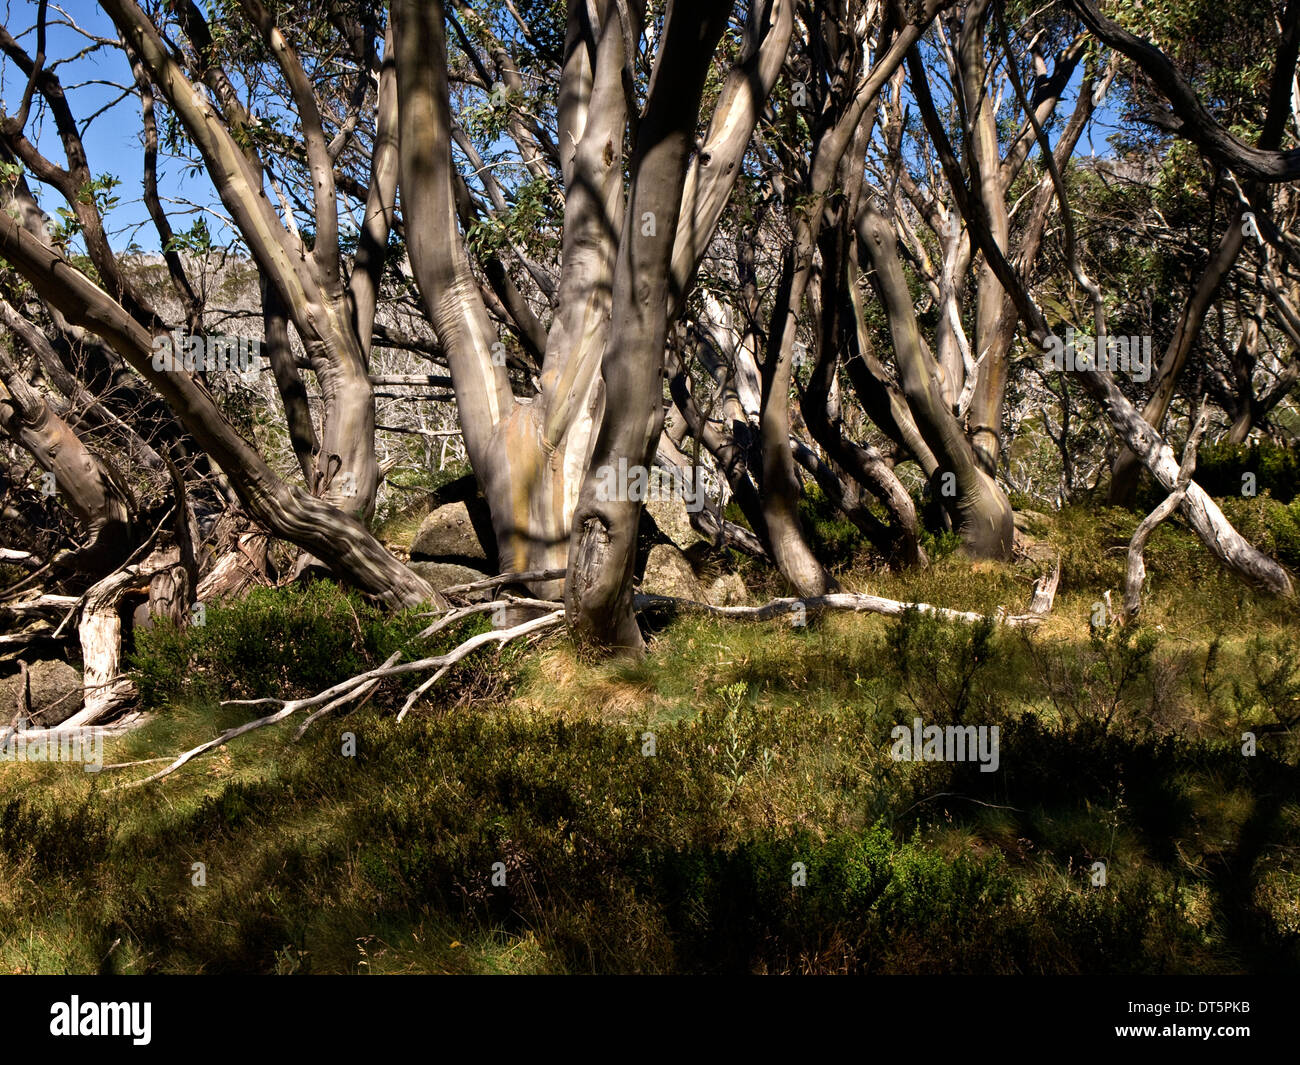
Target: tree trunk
[(981, 512), (94, 495), (780, 486), (1215, 531), (598, 592), (901, 545), (337, 538), (1124, 475)]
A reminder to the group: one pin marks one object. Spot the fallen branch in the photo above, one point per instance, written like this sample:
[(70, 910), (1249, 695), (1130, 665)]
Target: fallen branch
[(416, 695), (357, 695), (348, 689), (130, 765), (453, 616), (1137, 570), (27, 636), (43, 604), (1044, 594), (525, 577)]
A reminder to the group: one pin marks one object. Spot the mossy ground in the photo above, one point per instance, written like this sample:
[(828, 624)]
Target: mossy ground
[(771, 747)]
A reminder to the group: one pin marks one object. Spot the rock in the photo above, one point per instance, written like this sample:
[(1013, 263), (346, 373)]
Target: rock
[(13, 700), (1031, 521), (141, 619), (1035, 550), (448, 535), (673, 521), (446, 574), (54, 689), (727, 590), (667, 572)]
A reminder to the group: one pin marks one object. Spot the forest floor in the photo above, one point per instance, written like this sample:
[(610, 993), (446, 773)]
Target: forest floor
[(731, 804)]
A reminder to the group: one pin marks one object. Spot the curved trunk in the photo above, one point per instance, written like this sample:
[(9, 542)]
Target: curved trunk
[(1204, 515), (308, 282), (980, 510), (289, 383), (901, 543), (1124, 475), (337, 538), (780, 486), (732, 451), (91, 492), (598, 591), (885, 405)]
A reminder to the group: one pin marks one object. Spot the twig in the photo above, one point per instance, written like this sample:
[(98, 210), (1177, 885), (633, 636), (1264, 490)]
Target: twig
[(957, 795), (414, 697), (506, 578)]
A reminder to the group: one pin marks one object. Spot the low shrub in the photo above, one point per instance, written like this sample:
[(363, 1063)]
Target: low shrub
[(275, 642)]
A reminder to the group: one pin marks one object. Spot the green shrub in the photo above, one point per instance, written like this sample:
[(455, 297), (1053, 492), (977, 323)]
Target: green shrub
[(1269, 524), (942, 666), (832, 537), (275, 642), (940, 545), (1276, 468)]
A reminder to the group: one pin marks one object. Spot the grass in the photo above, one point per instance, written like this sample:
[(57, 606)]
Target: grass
[(515, 823)]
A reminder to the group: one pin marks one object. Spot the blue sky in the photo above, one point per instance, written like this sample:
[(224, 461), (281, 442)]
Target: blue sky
[(113, 140)]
